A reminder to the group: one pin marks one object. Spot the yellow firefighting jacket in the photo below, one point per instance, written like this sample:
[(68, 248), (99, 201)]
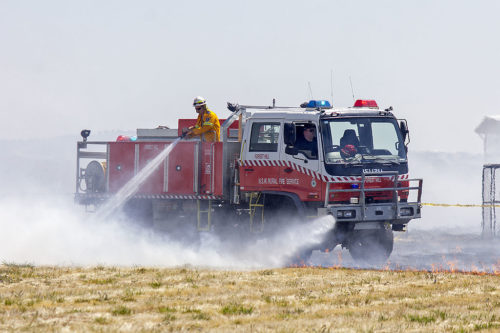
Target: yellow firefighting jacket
[(208, 127)]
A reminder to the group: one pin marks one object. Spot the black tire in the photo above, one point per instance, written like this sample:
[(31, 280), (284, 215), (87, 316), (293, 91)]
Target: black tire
[(371, 246)]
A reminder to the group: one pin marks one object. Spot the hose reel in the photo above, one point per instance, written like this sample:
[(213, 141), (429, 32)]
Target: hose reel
[(94, 176)]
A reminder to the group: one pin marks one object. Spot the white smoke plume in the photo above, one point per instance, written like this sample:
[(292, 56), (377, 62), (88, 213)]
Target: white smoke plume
[(55, 232)]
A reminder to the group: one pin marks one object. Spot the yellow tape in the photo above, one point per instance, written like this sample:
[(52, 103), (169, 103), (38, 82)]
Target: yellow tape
[(457, 205)]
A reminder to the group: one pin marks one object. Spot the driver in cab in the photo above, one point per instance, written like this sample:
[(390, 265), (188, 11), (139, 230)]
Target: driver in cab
[(307, 141)]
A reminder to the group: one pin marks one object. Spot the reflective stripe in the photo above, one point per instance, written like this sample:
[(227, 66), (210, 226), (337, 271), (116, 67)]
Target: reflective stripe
[(207, 123)]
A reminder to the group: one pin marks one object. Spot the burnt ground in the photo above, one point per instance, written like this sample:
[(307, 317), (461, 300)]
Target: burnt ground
[(431, 250)]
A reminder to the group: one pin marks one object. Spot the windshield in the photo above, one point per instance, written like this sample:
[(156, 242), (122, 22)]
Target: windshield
[(362, 140)]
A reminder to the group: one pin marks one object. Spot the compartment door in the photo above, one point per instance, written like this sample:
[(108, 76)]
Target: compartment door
[(121, 167), (182, 167)]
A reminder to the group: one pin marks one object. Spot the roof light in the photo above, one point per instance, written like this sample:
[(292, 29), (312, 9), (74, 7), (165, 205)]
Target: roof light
[(366, 103), (323, 104), (123, 138)]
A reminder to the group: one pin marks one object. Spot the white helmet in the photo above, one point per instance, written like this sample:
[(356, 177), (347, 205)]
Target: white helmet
[(199, 101)]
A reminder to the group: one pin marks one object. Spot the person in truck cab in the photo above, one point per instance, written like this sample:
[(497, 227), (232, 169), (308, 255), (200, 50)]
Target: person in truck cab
[(307, 141), (207, 125)]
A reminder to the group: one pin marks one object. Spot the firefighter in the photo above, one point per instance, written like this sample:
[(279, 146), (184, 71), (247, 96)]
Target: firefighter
[(207, 125), (308, 141)]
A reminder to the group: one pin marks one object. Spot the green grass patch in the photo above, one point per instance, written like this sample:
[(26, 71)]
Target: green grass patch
[(101, 320), (156, 284), (169, 317), (102, 281), (486, 326), (121, 311), (421, 319), (236, 309)]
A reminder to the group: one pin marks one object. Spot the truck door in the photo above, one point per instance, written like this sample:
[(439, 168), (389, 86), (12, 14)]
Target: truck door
[(260, 161), (300, 173)]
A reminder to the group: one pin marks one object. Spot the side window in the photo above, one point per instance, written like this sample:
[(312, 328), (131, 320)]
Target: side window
[(306, 141), (264, 137)]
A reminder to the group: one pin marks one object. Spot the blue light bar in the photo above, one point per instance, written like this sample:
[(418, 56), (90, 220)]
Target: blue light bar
[(323, 104)]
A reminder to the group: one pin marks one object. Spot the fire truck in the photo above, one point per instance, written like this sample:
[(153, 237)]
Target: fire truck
[(260, 176)]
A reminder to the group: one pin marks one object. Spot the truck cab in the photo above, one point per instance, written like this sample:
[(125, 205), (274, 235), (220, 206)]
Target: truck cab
[(355, 168)]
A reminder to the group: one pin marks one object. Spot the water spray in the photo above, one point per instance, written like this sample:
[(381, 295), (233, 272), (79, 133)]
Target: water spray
[(131, 187)]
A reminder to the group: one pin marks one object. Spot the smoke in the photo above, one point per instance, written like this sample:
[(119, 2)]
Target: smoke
[(40, 224), (449, 178), (53, 231)]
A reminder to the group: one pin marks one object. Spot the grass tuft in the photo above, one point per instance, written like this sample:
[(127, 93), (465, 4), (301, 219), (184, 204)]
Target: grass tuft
[(168, 318), (421, 319), (121, 311), (201, 316), (102, 281), (236, 309), (156, 284), (166, 309), (101, 320)]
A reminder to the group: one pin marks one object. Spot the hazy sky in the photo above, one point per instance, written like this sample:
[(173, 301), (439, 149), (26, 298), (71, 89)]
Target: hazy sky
[(68, 65)]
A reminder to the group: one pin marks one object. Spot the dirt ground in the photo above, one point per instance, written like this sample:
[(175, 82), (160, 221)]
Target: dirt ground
[(102, 299)]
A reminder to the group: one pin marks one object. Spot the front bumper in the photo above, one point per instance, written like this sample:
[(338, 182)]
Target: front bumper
[(396, 213)]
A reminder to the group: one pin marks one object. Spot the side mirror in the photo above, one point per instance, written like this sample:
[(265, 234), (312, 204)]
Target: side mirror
[(403, 127), (289, 134)]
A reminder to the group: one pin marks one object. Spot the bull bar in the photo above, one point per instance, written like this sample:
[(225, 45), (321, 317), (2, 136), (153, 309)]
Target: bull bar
[(396, 211)]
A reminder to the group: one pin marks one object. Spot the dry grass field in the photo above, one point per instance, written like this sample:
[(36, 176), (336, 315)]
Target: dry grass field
[(103, 299)]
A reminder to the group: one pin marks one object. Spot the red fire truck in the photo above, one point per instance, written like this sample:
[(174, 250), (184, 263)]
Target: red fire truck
[(355, 168)]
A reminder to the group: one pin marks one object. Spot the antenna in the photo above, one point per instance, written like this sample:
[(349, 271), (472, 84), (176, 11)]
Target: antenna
[(310, 90), (352, 89), (331, 83)]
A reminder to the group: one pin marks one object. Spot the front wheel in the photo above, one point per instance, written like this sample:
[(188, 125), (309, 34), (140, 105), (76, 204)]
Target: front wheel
[(371, 246)]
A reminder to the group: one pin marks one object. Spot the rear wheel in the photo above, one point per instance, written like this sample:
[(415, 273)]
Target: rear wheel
[(371, 246)]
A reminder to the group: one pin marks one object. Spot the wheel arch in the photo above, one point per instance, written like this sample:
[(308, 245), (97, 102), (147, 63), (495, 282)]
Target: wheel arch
[(299, 205)]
